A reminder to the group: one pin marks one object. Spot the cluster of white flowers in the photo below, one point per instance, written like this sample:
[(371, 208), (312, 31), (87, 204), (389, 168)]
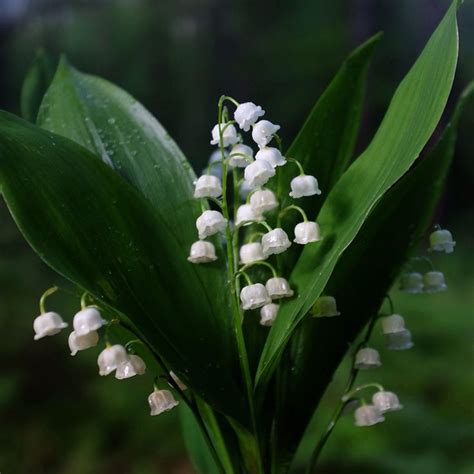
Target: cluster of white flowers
[(251, 172)]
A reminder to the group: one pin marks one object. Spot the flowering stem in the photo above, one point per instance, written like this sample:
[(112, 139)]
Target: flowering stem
[(390, 302), (296, 208), (350, 394), (426, 260), (298, 164), (260, 262), (42, 302), (252, 236)]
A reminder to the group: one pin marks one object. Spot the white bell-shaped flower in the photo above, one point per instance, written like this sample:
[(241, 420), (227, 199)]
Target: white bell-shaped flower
[(258, 173), (263, 200), (246, 213), (134, 365), (386, 401), (263, 132), (367, 358), (87, 320), (272, 155), (325, 306), (246, 114), (161, 401), (251, 252), (307, 232), (110, 358), (441, 240), (434, 282), (399, 341), (210, 223), (392, 324), (202, 252), (367, 415), (80, 343), (278, 287), (207, 186), (274, 242), (229, 135), (268, 314), (240, 156), (254, 296), (411, 282), (304, 185), (48, 324), (178, 381)]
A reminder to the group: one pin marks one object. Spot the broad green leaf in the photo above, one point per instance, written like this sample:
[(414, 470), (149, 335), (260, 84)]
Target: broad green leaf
[(413, 113), (94, 228), (360, 281)]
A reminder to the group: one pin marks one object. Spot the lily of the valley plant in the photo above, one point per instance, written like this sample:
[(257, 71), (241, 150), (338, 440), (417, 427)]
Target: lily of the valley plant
[(244, 287)]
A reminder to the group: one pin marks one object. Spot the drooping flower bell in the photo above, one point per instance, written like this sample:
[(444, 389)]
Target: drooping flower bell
[(274, 242), (251, 252), (87, 320), (325, 306), (278, 287), (134, 365), (272, 155), (207, 186), (367, 415), (399, 341), (411, 283), (258, 173), (304, 185), (367, 358), (263, 200), (393, 324), (161, 401), (263, 132), (246, 114), (178, 381), (254, 296), (240, 156), (307, 232), (434, 282), (48, 324), (246, 213), (210, 223), (81, 343), (202, 252), (268, 314), (110, 358), (229, 135), (441, 240), (386, 401)]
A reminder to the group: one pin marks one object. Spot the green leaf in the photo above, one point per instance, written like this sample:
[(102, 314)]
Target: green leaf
[(360, 281), (94, 228), (413, 113), (37, 80)]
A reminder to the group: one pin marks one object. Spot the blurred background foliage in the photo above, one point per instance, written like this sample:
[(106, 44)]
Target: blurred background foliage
[(177, 57)]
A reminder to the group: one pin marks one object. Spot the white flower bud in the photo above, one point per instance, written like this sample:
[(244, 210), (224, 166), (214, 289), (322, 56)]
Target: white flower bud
[(258, 173), (278, 287), (272, 155), (229, 135), (367, 415), (441, 240), (161, 401), (134, 365), (399, 341), (110, 358), (274, 242), (236, 159), (411, 282), (386, 401), (210, 223), (247, 114), (325, 306), (263, 132), (434, 282), (202, 252), (263, 200), (246, 213), (367, 358), (207, 186), (87, 320), (48, 324), (254, 296), (80, 343), (306, 232), (250, 253), (392, 324), (304, 185), (268, 314), (178, 381)]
